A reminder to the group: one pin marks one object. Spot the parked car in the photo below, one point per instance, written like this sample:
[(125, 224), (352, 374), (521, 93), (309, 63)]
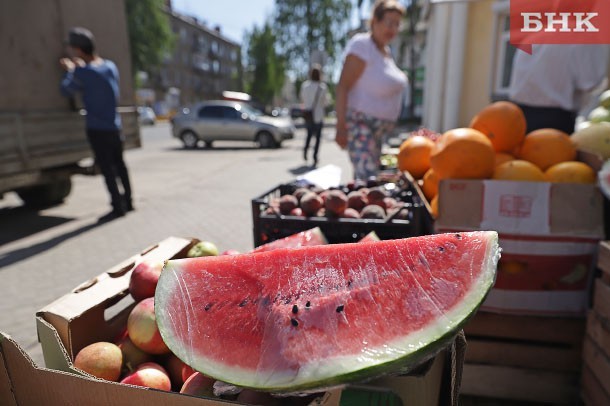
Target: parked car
[(146, 115), (222, 120)]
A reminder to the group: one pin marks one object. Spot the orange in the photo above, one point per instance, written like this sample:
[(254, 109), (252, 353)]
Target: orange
[(414, 155), (430, 184), (570, 172), (520, 171), (511, 266), (503, 122), (547, 147), (502, 157), (463, 153)]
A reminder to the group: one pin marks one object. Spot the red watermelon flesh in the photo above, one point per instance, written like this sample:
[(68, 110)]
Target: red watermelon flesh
[(290, 320), (302, 239)]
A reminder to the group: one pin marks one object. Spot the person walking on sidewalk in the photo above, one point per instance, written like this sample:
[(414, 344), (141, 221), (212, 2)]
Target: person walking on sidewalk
[(97, 80), (314, 98), (369, 93)]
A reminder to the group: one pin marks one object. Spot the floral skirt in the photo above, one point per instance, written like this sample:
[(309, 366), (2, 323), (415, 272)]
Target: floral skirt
[(365, 136)]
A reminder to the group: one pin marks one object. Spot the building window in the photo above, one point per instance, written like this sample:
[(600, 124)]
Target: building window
[(216, 67), (234, 55), (202, 42), (503, 52)]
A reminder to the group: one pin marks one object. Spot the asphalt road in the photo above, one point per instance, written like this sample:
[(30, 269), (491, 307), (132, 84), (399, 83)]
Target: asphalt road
[(202, 193)]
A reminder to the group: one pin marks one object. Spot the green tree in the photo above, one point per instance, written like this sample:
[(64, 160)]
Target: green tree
[(150, 35), (305, 26), (265, 69)]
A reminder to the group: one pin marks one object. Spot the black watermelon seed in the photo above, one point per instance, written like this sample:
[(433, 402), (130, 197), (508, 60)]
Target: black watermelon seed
[(340, 308), (458, 236), (294, 322), (208, 307), (245, 302), (308, 304), (441, 249), (295, 309)]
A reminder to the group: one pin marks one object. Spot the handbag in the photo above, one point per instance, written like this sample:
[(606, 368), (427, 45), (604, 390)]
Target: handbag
[(308, 114)]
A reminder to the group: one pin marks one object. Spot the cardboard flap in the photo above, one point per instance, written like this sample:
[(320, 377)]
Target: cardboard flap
[(90, 309), (24, 384), (6, 390), (521, 208), (55, 355), (576, 209), (460, 204), (33, 386)]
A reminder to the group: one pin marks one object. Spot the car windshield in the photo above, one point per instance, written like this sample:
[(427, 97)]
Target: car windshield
[(249, 110)]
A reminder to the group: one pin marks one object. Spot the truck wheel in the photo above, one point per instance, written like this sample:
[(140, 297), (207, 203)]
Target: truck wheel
[(47, 194)]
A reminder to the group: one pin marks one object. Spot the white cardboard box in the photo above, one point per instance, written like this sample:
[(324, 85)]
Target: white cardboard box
[(549, 234)]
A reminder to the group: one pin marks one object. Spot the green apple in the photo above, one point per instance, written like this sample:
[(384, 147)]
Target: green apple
[(604, 99), (203, 249)]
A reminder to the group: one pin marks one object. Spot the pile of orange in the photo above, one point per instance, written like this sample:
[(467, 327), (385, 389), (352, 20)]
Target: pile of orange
[(494, 146)]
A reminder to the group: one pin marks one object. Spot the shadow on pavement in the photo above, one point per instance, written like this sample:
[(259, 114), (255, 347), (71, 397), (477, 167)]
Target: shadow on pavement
[(21, 222), (299, 170), (214, 148), (20, 254)]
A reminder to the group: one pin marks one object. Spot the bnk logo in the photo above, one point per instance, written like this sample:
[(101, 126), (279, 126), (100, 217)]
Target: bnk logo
[(559, 22)]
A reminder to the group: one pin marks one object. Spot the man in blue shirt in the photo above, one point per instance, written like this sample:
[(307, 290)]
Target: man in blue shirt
[(97, 80)]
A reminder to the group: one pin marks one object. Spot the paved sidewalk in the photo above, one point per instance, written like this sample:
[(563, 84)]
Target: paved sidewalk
[(203, 193)]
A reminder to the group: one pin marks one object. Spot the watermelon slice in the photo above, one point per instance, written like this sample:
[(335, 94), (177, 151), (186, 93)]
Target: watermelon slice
[(315, 236), (303, 319)]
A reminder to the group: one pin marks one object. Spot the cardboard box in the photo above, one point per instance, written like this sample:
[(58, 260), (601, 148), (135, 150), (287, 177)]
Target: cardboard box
[(24, 384), (549, 234), (98, 310)]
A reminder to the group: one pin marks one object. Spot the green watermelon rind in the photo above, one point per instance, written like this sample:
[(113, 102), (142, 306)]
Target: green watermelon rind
[(425, 343)]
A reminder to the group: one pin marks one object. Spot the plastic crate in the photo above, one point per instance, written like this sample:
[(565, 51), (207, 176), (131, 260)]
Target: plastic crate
[(270, 227)]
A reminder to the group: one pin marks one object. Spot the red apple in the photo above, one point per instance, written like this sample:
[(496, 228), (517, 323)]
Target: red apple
[(144, 279), (150, 375), (143, 330)]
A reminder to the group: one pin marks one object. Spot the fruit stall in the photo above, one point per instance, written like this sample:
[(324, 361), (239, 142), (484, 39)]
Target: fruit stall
[(85, 333), (502, 294), (532, 338)]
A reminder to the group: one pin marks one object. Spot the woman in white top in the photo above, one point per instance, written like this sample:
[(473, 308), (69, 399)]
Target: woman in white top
[(370, 90), (314, 98)]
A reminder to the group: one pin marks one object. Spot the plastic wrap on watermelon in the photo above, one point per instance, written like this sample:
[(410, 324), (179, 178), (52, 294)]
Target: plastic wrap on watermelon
[(307, 238), (299, 320)]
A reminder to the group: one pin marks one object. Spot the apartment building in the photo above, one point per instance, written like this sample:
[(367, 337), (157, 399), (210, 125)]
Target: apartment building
[(201, 66)]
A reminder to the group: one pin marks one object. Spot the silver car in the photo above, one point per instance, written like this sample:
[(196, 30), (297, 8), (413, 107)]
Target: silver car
[(222, 120)]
